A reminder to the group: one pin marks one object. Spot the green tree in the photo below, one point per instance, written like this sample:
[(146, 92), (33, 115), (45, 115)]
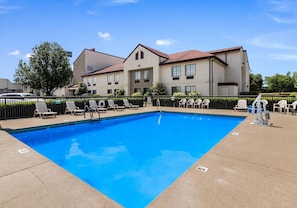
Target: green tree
[(159, 89), (256, 82), (48, 68), (82, 88), (280, 83)]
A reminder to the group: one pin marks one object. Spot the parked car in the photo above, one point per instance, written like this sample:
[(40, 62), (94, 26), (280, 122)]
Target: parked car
[(18, 97)]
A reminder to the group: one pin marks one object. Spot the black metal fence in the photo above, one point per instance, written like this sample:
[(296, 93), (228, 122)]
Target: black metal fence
[(14, 108), (11, 108)]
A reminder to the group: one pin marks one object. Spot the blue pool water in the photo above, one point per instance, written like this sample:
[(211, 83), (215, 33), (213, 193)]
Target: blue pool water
[(131, 159)]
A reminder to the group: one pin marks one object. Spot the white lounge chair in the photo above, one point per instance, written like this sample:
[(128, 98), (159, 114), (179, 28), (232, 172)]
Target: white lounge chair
[(114, 106), (127, 104), (205, 103), (43, 111), (182, 103), (190, 103), (197, 103), (280, 106), (72, 108), (241, 105), (93, 106)]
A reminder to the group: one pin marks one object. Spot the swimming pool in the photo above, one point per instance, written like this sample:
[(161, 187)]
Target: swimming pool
[(131, 159)]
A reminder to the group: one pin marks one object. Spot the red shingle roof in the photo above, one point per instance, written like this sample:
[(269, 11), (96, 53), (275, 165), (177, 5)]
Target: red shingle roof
[(109, 69), (159, 53), (187, 55), (226, 49)]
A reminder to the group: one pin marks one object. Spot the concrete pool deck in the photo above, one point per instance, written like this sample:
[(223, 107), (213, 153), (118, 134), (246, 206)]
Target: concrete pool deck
[(253, 166)]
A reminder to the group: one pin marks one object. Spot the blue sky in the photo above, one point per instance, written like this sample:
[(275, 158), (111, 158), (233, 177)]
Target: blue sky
[(267, 29)]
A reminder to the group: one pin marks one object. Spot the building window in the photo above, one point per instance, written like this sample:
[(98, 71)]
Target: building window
[(89, 81), (141, 54), (94, 92), (137, 76), (116, 78), (89, 69), (137, 90), (146, 76), (136, 56), (175, 72), (109, 91), (175, 89), (109, 79), (145, 90), (189, 89), (190, 71), (94, 81)]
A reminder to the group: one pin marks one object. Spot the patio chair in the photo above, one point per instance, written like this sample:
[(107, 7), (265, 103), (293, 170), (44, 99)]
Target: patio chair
[(291, 107), (197, 103), (129, 105), (93, 106), (182, 103), (205, 103), (241, 105), (190, 103), (43, 111), (72, 108), (280, 106), (114, 106)]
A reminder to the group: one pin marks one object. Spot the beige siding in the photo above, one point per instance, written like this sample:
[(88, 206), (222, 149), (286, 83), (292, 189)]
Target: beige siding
[(237, 69), (101, 86), (200, 80), (149, 61)]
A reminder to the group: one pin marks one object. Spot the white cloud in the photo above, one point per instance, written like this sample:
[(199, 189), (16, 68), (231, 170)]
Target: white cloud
[(91, 12), (7, 9), (283, 20), (287, 57), (104, 36), (284, 40), (165, 42), (14, 53), (283, 5), (123, 1), (28, 55)]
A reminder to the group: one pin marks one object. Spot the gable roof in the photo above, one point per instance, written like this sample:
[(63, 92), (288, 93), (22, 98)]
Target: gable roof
[(109, 69), (187, 56), (154, 51), (226, 50), (94, 51)]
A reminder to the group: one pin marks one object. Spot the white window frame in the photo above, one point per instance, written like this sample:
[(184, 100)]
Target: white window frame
[(109, 79), (190, 70), (176, 71), (190, 88), (116, 78), (137, 76)]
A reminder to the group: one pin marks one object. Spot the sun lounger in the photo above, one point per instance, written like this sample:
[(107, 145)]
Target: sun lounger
[(127, 104), (93, 106), (72, 108), (241, 105), (114, 106), (43, 111)]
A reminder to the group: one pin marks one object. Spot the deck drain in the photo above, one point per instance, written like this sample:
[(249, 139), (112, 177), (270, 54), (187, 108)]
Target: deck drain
[(202, 169), (23, 151)]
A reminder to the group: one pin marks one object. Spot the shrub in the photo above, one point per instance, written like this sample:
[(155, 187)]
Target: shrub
[(194, 94), (178, 94), (136, 94)]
